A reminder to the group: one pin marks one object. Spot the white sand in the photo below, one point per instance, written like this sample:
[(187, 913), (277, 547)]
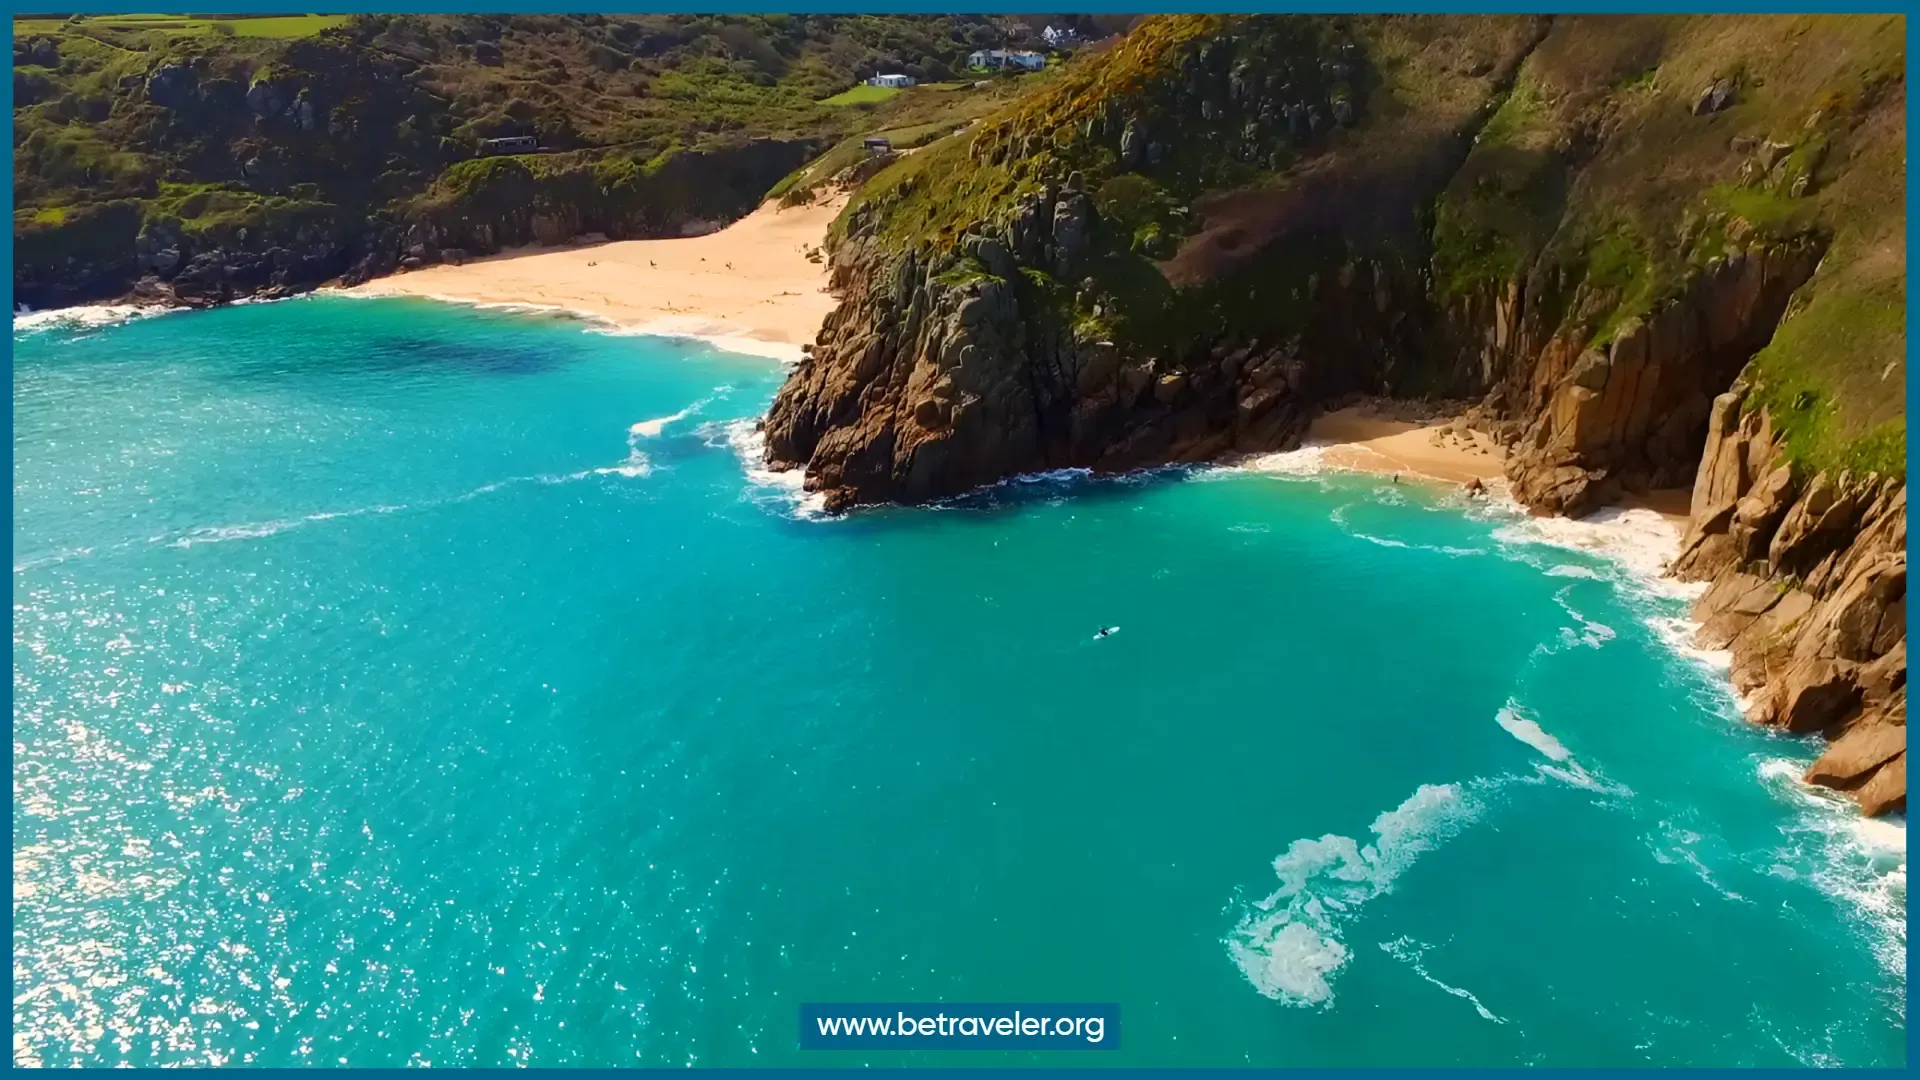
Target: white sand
[(747, 288), (1355, 438)]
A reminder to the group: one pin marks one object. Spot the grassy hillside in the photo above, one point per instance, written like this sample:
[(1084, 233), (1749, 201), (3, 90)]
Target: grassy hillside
[(1598, 169), (114, 29), (1349, 117), (204, 126)]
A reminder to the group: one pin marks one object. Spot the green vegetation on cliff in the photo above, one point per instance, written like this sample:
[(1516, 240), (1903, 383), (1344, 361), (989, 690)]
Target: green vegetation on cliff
[(1203, 141), (1080, 120), (908, 120), (1593, 171), (1633, 152)]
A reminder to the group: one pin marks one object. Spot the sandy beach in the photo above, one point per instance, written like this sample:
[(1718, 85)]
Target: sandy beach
[(1358, 437), (1361, 437), (747, 288)]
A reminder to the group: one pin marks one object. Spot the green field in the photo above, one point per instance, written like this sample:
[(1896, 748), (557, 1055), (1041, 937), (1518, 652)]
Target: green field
[(264, 26), (862, 95)]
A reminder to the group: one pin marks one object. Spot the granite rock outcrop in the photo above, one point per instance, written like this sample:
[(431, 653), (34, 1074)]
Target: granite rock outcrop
[(1808, 591)]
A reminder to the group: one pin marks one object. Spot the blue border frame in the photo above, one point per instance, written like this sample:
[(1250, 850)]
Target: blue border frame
[(1104, 7)]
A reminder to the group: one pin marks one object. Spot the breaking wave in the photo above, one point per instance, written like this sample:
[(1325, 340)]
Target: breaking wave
[(783, 490), (633, 466), (1860, 863), (653, 429), (87, 317), (1637, 541)]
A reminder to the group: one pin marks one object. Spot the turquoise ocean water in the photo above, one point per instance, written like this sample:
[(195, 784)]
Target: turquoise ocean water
[(397, 682)]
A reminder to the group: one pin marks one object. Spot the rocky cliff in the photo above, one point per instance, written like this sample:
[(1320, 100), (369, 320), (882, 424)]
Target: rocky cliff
[(935, 377), (1594, 226), (1809, 593), (1132, 306)]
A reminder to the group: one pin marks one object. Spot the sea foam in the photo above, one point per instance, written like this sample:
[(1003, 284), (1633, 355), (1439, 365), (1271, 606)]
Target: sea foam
[(1517, 722), (1529, 731), (1638, 541), (785, 488), (1288, 944), (1860, 863), (1413, 954), (86, 317)]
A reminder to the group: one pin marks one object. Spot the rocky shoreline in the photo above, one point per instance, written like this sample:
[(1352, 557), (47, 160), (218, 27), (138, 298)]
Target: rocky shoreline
[(1807, 575), (1808, 592)]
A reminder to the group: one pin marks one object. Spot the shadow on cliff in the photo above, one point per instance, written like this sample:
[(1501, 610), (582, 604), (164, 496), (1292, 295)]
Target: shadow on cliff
[(1017, 495)]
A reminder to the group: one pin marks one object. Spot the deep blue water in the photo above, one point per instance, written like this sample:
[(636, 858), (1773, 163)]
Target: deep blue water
[(387, 689)]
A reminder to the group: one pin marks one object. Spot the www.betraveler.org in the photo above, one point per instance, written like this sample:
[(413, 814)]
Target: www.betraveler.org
[(960, 1027)]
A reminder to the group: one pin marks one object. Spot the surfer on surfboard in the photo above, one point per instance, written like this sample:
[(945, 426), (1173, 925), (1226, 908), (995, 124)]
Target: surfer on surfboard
[(1106, 631)]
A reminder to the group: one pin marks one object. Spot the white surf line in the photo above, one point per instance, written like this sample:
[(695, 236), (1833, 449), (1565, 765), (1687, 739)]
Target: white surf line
[(1859, 863), (215, 534), (707, 332), (786, 487), (1864, 860), (635, 465), (85, 316)]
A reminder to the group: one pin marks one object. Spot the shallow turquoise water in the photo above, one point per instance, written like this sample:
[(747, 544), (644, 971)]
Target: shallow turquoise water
[(382, 694)]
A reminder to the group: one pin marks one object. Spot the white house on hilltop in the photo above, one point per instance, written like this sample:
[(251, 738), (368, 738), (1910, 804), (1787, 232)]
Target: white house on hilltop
[(896, 82)]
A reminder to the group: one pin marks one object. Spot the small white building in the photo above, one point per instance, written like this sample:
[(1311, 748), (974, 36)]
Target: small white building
[(512, 144), (1059, 37), (894, 82), (998, 59)]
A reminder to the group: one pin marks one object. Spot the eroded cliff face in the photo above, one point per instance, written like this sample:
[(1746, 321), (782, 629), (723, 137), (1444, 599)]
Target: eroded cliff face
[(1128, 315), (941, 372), (1584, 422), (1809, 593)]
